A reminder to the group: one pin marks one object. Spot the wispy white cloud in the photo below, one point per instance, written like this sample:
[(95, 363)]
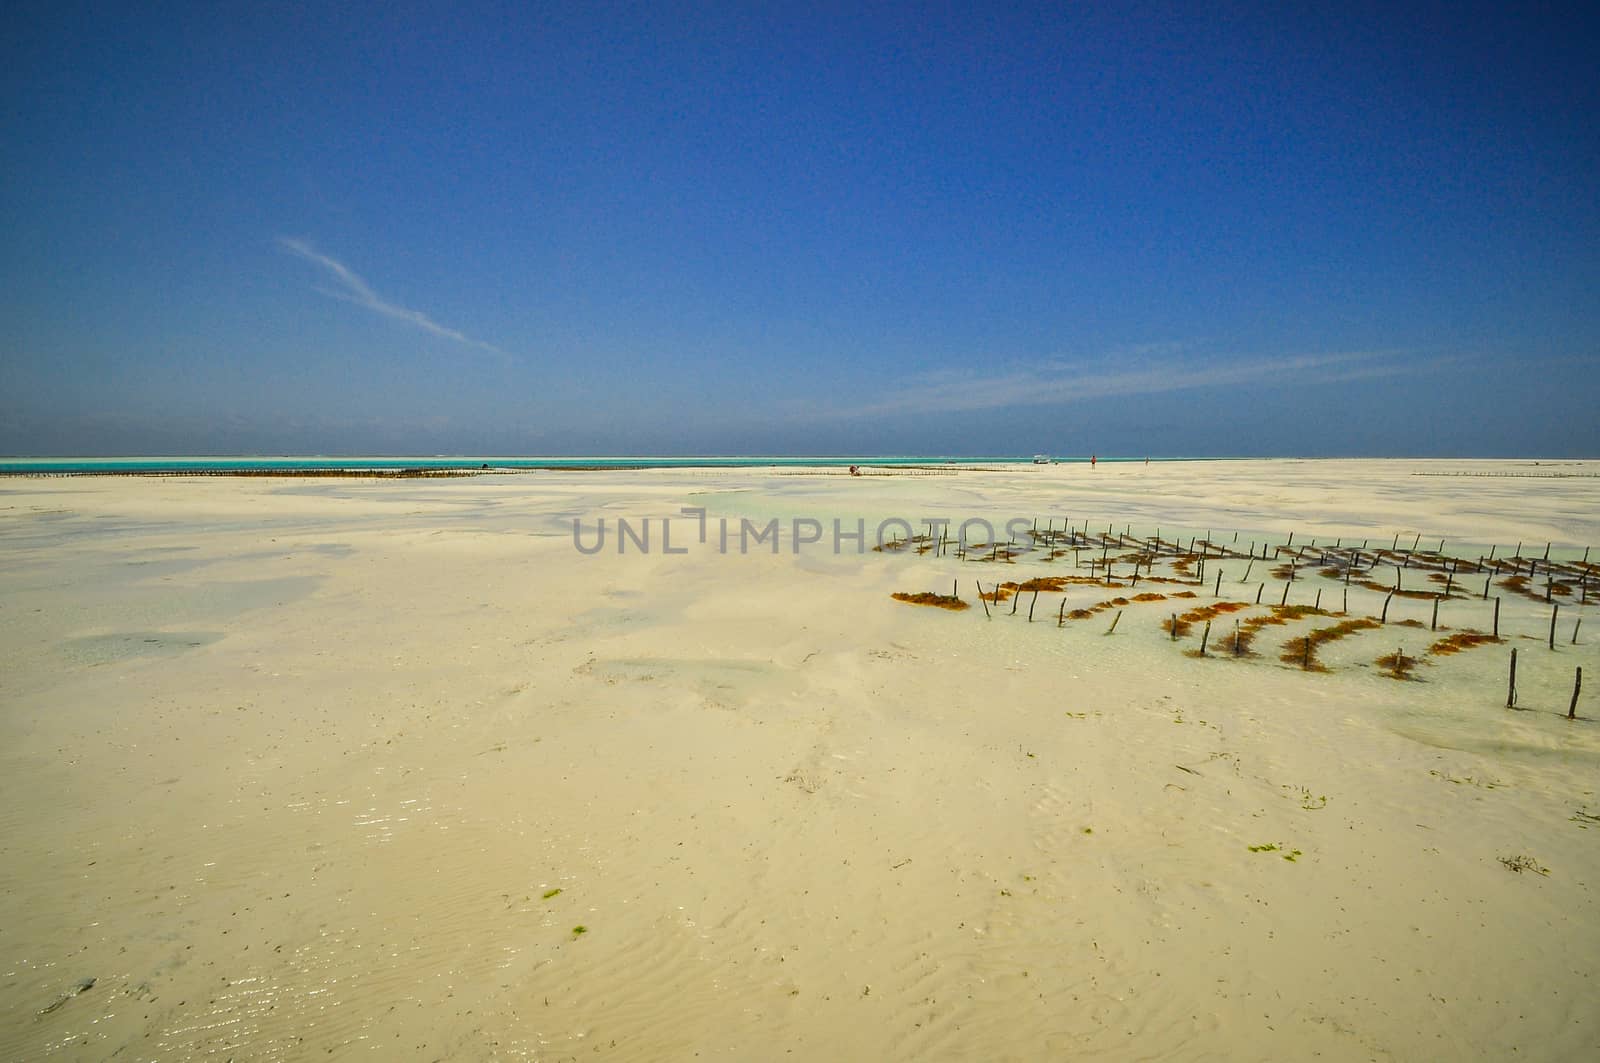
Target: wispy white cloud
[(1054, 383), (352, 289)]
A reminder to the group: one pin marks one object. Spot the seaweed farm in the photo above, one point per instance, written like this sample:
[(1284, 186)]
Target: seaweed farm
[(1311, 593)]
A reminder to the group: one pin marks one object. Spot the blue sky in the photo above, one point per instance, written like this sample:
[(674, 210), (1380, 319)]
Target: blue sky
[(611, 229)]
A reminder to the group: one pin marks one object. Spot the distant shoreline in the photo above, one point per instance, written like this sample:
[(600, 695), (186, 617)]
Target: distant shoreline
[(419, 467), (414, 466)]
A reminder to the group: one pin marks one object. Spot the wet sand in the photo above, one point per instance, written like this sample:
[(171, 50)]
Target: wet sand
[(338, 769)]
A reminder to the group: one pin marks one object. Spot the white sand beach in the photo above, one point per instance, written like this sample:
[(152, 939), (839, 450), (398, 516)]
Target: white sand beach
[(338, 769)]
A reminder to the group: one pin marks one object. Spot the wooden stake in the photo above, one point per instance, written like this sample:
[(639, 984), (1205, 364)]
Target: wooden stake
[(1577, 685), (1174, 627), (1285, 600), (1015, 598), (1575, 628), (1204, 637), (1511, 689), (1248, 565), (1236, 649), (1114, 620), (1305, 658), (1259, 588), (1435, 624), (1554, 611), (1383, 617), (1486, 581), (1497, 617), (1031, 605), (1346, 608), (982, 599), (1218, 592), (1061, 617)]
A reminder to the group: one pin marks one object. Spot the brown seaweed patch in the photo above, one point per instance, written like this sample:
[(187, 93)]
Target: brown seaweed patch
[(1523, 586), (1184, 623), (1381, 588), (1149, 596), (1052, 583), (1396, 665), (1276, 616), (1282, 614), (1296, 651), (938, 601), (1100, 607), (1461, 640)]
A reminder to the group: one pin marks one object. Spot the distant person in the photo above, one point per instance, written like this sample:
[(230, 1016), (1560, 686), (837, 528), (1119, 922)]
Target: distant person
[(1092, 460), (855, 470)]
